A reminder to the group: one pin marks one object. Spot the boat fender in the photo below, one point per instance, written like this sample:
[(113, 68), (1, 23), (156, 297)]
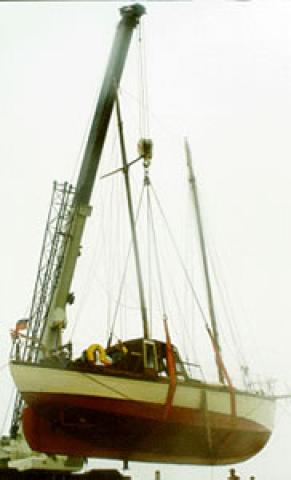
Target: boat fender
[(90, 354)]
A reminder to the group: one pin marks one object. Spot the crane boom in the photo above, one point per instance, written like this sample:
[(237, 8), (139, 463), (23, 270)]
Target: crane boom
[(130, 18), (56, 319)]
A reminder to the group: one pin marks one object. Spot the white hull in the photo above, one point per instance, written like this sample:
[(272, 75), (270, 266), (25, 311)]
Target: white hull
[(113, 416)]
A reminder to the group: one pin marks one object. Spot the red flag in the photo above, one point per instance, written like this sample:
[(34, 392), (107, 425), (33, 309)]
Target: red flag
[(20, 325)]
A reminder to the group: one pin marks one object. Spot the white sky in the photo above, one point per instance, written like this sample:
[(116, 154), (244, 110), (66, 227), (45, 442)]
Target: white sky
[(219, 72)]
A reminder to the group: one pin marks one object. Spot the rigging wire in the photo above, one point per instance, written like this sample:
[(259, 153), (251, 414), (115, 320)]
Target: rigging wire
[(157, 258), (236, 349), (188, 301), (149, 258), (85, 284), (159, 273), (223, 295), (85, 135), (142, 82), (165, 128), (112, 206), (185, 271), (187, 336), (228, 310), (122, 283), (82, 146)]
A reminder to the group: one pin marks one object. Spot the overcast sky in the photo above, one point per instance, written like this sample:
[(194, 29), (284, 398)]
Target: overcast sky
[(218, 72)]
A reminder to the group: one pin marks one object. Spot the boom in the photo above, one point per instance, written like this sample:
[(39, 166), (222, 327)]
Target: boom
[(56, 319)]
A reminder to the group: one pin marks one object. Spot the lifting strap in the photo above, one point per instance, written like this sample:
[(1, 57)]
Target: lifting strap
[(219, 362), (171, 370)]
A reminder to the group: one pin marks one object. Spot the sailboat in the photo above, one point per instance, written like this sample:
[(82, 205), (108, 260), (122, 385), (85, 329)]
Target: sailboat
[(134, 399)]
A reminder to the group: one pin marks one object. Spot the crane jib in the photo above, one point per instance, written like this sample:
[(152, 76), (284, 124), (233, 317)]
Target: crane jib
[(56, 318), (97, 135)]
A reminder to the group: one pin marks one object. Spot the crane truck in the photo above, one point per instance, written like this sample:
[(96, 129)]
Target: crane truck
[(58, 259)]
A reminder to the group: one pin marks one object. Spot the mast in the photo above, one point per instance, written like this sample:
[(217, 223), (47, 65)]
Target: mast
[(56, 318), (192, 181), (132, 223)]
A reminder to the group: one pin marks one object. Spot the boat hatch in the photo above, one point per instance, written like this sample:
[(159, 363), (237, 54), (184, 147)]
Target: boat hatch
[(150, 355)]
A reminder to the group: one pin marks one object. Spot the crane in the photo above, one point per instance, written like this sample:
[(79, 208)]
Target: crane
[(69, 209)]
